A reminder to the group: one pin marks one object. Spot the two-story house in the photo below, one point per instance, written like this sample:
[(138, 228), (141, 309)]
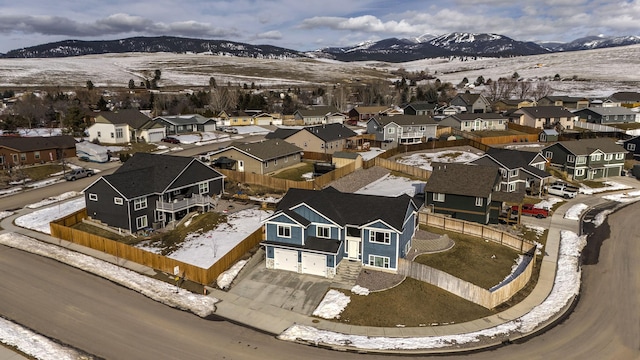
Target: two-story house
[(312, 231), (607, 115), (402, 129), (521, 171), (152, 190), (475, 122), (544, 117), (364, 113), (587, 159), (474, 103), (633, 146), (124, 126), (466, 192)]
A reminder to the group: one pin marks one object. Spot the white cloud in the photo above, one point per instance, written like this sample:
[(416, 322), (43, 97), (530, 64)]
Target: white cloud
[(273, 34)]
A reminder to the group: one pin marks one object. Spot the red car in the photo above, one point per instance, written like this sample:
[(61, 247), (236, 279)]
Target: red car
[(529, 209), (171, 140)]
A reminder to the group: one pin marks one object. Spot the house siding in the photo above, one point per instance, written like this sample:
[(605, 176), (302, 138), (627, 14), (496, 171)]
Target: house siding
[(460, 207), (296, 233), (105, 209), (386, 250)]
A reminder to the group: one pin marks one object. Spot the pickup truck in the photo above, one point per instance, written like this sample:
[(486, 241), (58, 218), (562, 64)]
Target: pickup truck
[(565, 191), (78, 173), (529, 209)]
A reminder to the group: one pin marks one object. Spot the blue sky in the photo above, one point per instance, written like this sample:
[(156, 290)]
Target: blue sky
[(307, 24)]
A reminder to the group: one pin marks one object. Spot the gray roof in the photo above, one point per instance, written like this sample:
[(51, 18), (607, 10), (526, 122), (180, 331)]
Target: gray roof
[(629, 96), (462, 179), (516, 159), (131, 117), (473, 116), (184, 119), (318, 111), (588, 146), (607, 111), (405, 120), (422, 105), (35, 143), (469, 98), (330, 132), (349, 208), (267, 149), (538, 112), (565, 98), (281, 133), (145, 173)]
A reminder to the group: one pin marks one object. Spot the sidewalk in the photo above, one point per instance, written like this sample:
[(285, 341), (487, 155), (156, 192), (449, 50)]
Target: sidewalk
[(274, 320)]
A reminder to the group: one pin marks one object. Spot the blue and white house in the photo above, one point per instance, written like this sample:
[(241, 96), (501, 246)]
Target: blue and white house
[(312, 231)]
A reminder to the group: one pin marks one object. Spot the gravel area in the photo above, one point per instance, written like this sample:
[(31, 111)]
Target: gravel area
[(359, 179), (378, 280)]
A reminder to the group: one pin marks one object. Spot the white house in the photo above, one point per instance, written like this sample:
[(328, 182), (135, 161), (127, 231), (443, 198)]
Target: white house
[(124, 126)]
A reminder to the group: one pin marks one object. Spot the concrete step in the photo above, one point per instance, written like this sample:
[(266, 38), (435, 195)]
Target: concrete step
[(346, 274)]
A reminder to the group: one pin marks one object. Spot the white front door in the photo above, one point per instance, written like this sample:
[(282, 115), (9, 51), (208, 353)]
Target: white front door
[(353, 249), (241, 165)]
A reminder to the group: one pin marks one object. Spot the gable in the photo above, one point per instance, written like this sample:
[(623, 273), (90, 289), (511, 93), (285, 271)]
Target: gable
[(312, 215), (194, 173)]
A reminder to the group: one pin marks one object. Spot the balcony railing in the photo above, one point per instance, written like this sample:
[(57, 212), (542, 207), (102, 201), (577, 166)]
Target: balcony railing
[(177, 205), (411, 134)]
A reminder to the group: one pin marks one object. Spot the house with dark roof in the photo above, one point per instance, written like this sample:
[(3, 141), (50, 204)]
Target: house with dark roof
[(607, 115), (319, 115), (474, 103), (521, 171), (544, 117), (587, 159), (402, 129), (325, 139), (31, 150), (180, 124), (420, 108), (261, 157), (311, 231), (125, 126), (503, 105), (475, 122), (282, 132), (633, 146), (152, 190), (467, 192), (364, 113), (568, 102), (626, 97)]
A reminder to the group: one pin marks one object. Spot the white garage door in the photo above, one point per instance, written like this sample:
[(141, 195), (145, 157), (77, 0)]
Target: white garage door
[(314, 264), (285, 259), (156, 136)]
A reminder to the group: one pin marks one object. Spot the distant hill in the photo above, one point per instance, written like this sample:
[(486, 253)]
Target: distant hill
[(598, 42), (152, 44)]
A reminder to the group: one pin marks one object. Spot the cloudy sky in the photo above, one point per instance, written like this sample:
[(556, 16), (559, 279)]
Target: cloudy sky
[(308, 24)]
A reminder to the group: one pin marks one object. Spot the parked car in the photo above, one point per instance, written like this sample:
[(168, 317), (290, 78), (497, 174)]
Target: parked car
[(171, 140), (563, 190), (78, 173), (531, 210), (231, 130)]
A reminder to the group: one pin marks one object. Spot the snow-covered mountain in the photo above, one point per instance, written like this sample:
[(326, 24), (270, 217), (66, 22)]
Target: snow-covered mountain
[(485, 45), (598, 42)]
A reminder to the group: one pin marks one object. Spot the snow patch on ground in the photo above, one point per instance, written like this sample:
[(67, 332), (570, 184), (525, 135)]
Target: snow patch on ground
[(33, 344), (4, 214), (225, 279), (373, 152), (575, 211), (547, 204), (251, 130), (566, 286), (39, 220), (625, 197), (610, 186), (332, 305), (601, 217), (359, 290), (392, 186), (424, 160), (53, 199)]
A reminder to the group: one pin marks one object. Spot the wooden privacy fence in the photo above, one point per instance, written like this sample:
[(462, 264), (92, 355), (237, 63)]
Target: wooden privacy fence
[(61, 229), (395, 166), (466, 290), (475, 229)]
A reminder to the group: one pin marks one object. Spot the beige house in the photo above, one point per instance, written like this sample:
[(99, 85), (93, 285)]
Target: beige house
[(341, 158), (544, 117), (325, 139), (569, 102), (262, 157), (238, 118)]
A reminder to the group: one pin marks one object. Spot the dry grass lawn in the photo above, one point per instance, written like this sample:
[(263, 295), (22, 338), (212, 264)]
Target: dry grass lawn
[(295, 172), (412, 303)]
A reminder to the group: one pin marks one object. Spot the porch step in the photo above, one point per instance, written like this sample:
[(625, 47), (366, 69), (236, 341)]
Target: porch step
[(347, 274)]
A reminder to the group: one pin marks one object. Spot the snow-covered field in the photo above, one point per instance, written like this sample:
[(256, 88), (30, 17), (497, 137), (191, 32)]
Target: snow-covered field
[(424, 160), (390, 185)]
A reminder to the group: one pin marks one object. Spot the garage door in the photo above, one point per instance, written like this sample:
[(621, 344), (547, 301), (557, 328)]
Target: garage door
[(314, 264), (156, 136), (285, 259)]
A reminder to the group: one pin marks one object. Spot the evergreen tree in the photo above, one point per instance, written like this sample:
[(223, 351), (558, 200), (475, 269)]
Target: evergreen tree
[(132, 84), (74, 121), (89, 85), (102, 104)]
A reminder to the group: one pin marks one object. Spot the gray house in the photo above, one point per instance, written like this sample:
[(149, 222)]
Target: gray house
[(587, 159), (312, 231), (402, 129), (607, 115), (152, 190), (521, 171), (420, 108), (475, 122), (178, 124), (474, 103)]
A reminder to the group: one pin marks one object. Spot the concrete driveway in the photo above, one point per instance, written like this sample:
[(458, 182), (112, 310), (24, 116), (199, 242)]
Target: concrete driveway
[(284, 289)]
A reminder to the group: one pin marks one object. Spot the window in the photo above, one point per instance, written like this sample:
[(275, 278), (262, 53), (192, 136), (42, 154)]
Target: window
[(118, 200), (266, 164), (379, 261), (619, 156), (513, 173), (203, 188), (581, 160), (596, 157), (139, 204), (119, 134), (438, 197), (286, 158), (275, 162), (323, 232), (23, 157), (15, 158), (93, 197), (608, 157), (36, 155), (391, 130), (423, 128), (548, 154), (512, 187), (571, 158), (380, 237), (284, 231), (112, 135), (479, 201), (579, 172), (141, 222), (503, 172)]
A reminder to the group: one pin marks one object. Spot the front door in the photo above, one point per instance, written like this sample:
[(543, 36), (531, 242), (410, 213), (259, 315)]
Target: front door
[(353, 249)]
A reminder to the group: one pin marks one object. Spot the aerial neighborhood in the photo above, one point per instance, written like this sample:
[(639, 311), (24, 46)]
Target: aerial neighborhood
[(301, 197)]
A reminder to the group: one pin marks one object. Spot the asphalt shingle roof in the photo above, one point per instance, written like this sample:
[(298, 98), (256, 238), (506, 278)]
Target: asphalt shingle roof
[(588, 146), (184, 119), (349, 208), (406, 120), (319, 111), (131, 117), (613, 110), (462, 179), (626, 96), (369, 109), (422, 105), (281, 133), (543, 112), (514, 159), (35, 143), (330, 132), (472, 116), (267, 149)]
